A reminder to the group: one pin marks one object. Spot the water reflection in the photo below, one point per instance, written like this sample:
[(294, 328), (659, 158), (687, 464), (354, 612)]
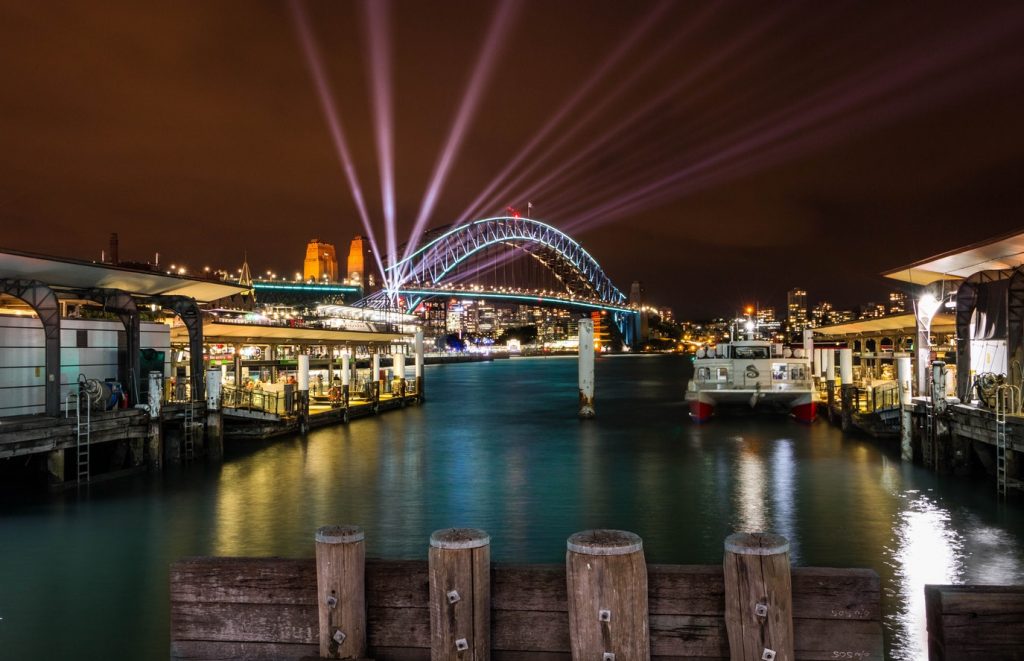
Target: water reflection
[(926, 550)]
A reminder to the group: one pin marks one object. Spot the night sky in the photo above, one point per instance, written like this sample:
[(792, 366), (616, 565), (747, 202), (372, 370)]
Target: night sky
[(720, 152)]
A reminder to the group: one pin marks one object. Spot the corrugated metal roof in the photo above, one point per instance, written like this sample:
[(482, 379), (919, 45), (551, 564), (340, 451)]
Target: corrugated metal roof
[(1004, 252), (60, 272)]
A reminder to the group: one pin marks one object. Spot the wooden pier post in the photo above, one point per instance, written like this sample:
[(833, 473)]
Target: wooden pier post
[(848, 391), (830, 381), (303, 387), (460, 595), (341, 591), (418, 344), (941, 436), (606, 577), (346, 377), (758, 597), (154, 438), (586, 371), (904, 376), (55, 467), (214, 417)]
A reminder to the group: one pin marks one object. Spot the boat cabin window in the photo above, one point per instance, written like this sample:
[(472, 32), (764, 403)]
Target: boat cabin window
[(797, 373), (751, 352), (723, 374), (779, 371), (703, 373)]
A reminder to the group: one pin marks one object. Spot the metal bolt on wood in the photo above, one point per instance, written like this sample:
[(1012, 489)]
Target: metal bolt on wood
[(608, 656), (761, 610), (332, 601), (462, 644), (339, 636), (604, 615), (453, 596), (768, 655)]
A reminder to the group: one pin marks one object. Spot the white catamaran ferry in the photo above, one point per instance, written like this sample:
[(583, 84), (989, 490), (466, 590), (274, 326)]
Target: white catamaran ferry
[(754, 373)]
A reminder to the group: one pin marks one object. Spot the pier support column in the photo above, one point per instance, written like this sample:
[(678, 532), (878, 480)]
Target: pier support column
[(830, 382), (399, 361), (586, 368), (848, 391), (346, 376), (904, 376), (214, 417), (55, 467), (418, 344), (154, 439), (378, 380), (303, 384), (237, 360), (940, 441)]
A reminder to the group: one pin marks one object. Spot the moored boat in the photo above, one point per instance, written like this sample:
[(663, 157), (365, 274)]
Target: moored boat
[(757, 374)]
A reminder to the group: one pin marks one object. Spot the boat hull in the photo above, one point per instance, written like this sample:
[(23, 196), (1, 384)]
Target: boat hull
[(704, 403)]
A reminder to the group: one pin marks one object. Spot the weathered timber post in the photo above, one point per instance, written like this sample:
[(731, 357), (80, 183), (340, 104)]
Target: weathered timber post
[(303, 383), (55, 467), (830, 382), (606, 577), (378, 380), (586, 360), (341, 591), (460, 595), (399, 363), (758, 597), (940, 441), (904, 376), (153, 437), (214, 417), (418, 344), (346, 377), (848, 391)]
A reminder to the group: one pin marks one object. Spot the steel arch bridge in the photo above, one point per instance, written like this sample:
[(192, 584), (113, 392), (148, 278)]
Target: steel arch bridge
[(429, 268)]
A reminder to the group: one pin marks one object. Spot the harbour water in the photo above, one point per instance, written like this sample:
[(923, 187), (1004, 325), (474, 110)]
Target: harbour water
[(498, 446)]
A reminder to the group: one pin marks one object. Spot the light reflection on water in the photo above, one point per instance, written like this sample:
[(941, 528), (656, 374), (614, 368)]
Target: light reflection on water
[(498, 446)]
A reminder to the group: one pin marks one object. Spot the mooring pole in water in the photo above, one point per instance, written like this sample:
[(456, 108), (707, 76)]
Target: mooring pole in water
[(214, 417), (940, 441), (758, 597), (460, 595), (341, 591), (346, 379), (378, 379), (418, 344), (399, 367), (586, 360), (904, 377), (830, 381), (154, 438), (303, 386), (606, 579), (848, 393)]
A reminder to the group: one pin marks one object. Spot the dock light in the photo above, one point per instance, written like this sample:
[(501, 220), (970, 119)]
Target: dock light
[(749, 326)]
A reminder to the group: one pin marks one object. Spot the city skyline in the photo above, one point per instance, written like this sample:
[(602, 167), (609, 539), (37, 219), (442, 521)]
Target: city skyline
[(672, 141)]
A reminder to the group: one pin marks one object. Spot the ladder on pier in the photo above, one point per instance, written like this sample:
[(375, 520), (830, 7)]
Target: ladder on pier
[(83, 432), (1007, 401), (189, 435)]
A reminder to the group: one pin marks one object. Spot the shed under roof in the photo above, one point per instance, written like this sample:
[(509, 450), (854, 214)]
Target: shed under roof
[(76, 274)]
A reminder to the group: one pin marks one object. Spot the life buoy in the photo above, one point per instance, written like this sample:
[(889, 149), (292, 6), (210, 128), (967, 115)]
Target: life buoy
[(752, 372)]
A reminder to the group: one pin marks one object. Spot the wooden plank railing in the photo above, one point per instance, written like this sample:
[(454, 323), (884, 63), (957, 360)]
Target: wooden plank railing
[(258, 608)]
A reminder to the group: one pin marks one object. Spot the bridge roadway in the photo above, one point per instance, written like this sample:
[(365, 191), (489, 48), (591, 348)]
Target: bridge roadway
[(411, 293)]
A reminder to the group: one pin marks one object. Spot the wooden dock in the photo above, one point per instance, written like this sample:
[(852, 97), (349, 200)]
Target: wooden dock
[(261, 608)]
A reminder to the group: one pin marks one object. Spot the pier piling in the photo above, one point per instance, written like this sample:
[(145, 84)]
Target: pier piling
[(830, 381), (418, 345), (848, 391), (904, 374), (758, 597), (346, 379), (154, 440), (341, 591), (606, 578), (460, 595), (586, 371), (214, 417), (303, 387)]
